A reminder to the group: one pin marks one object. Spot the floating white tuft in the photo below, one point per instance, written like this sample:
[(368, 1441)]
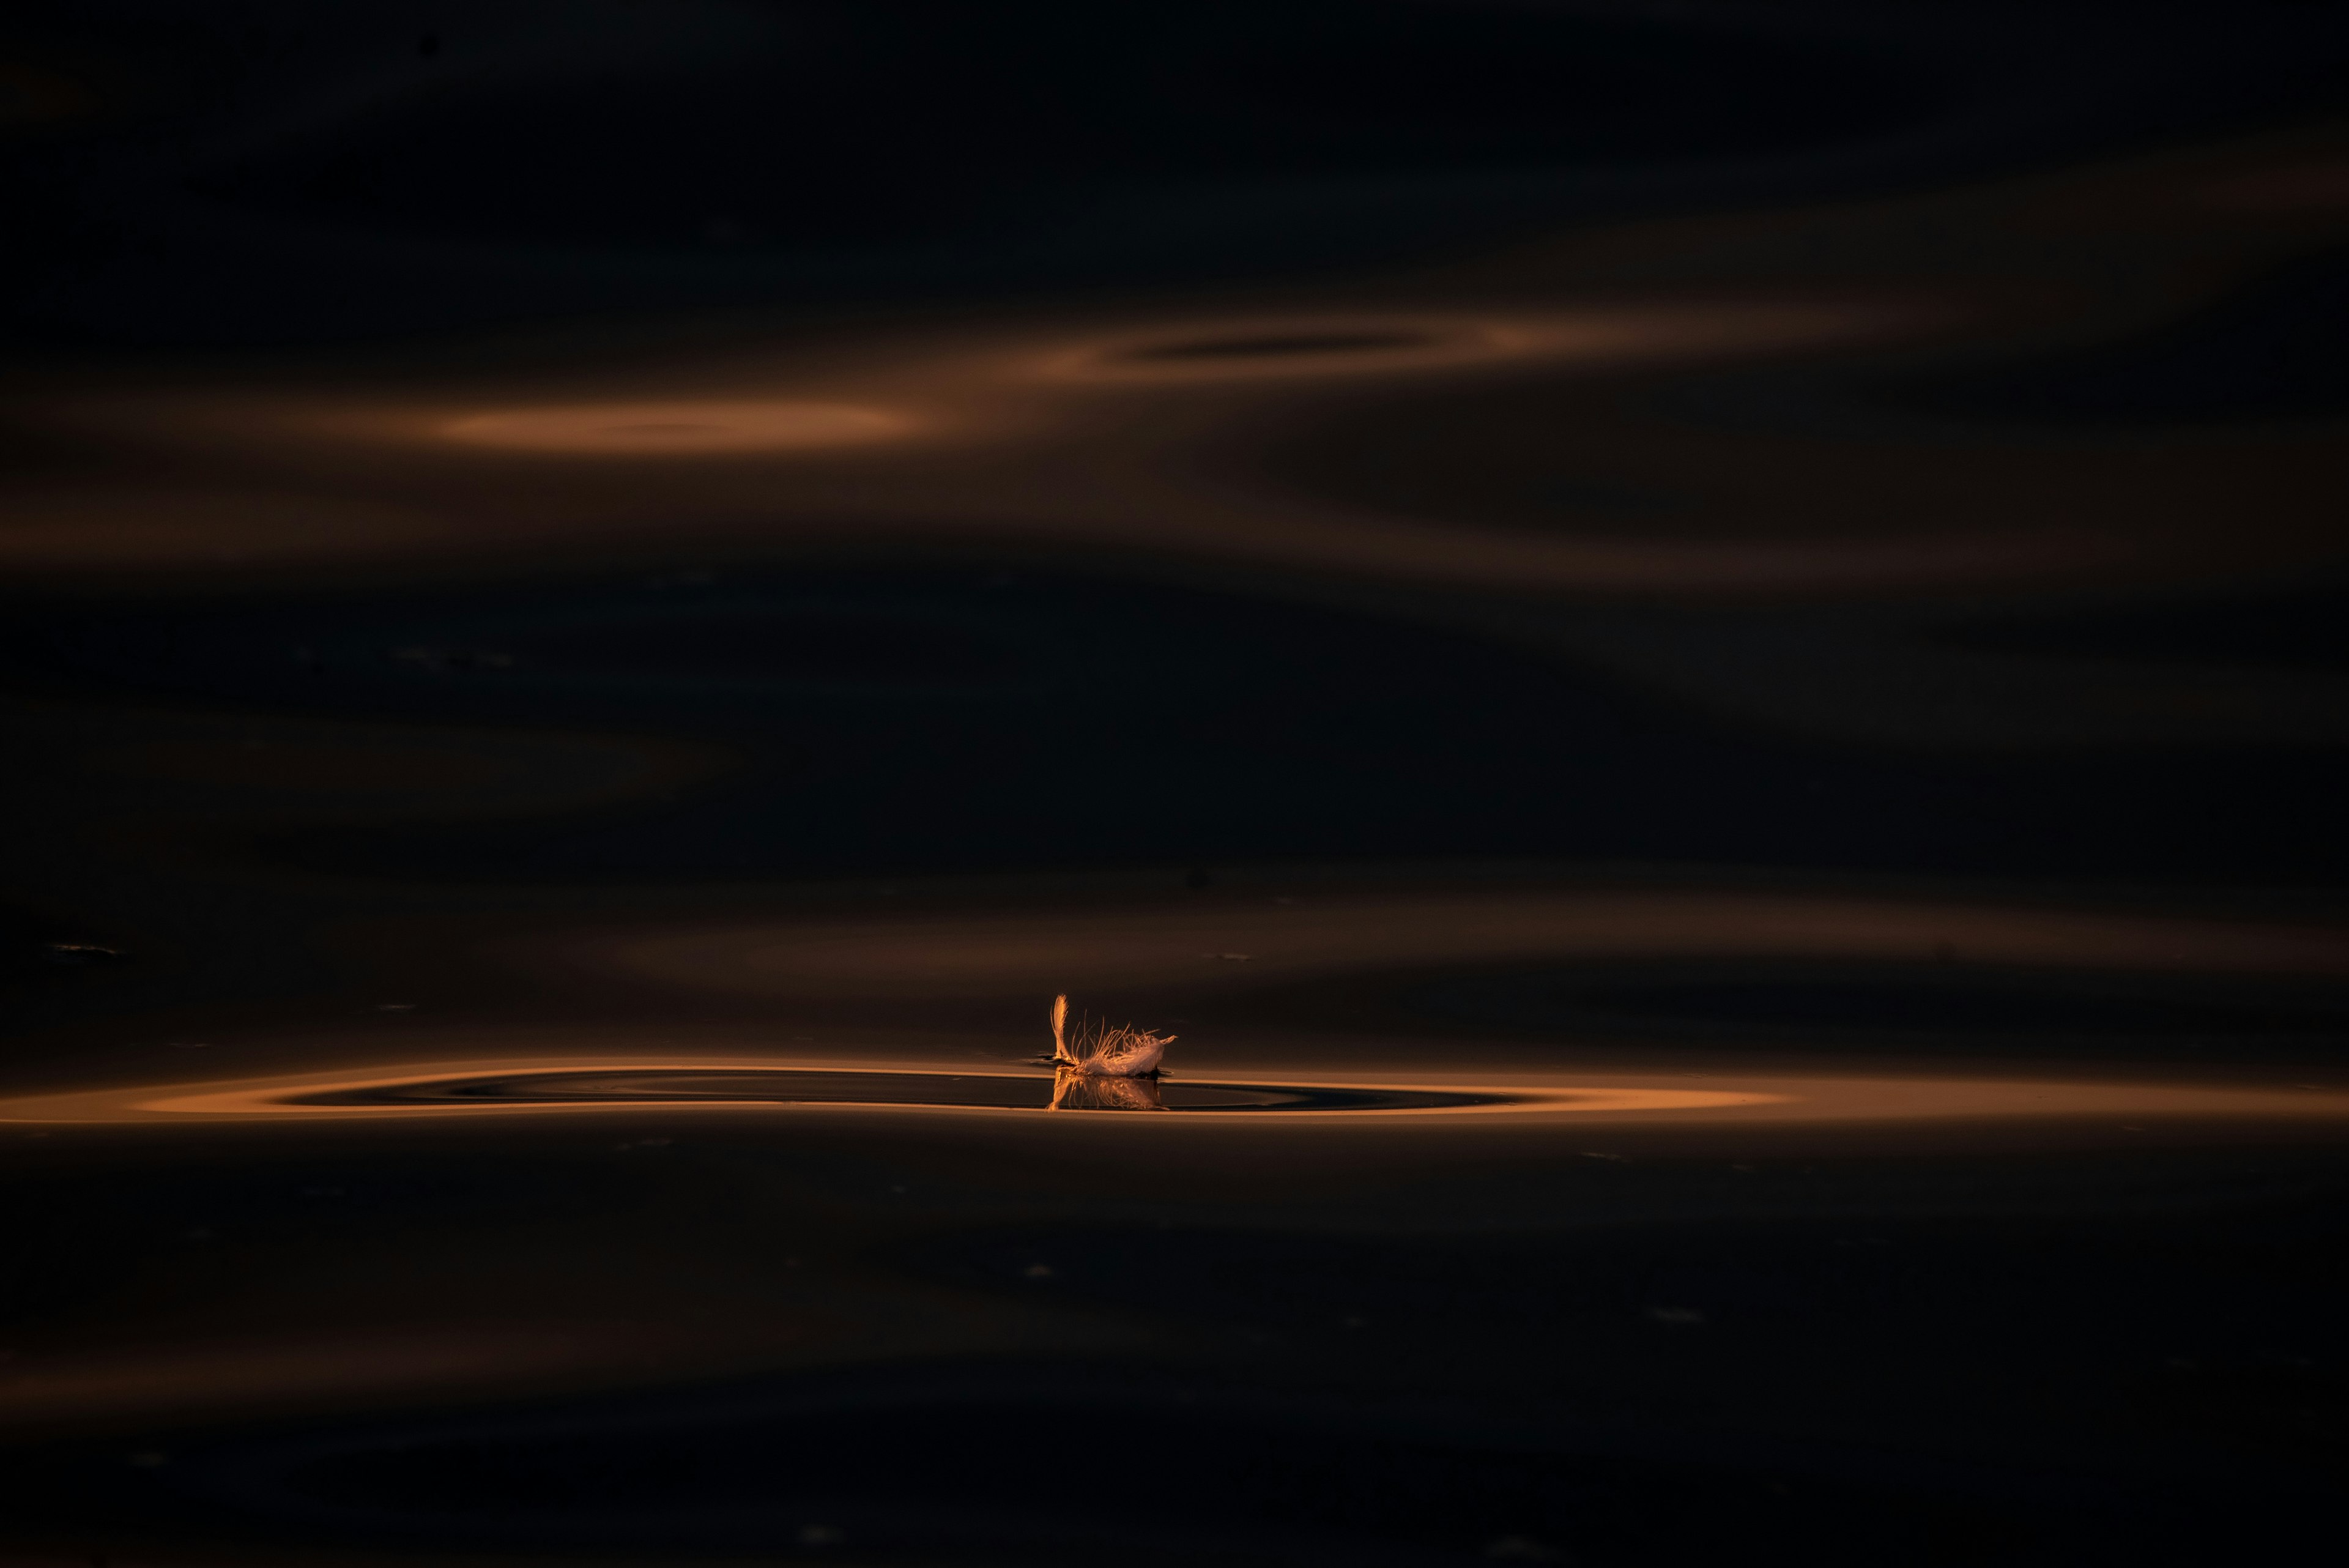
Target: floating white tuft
[(1101, 1052)]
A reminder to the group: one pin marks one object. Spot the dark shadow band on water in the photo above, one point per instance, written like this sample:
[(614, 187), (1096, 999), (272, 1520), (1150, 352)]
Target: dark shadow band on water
[(1277, 345), (787, 1087)]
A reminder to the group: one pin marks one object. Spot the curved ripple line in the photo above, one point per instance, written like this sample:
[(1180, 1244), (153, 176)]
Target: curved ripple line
[(806, 1087), (543, 1087), (554, 1086)]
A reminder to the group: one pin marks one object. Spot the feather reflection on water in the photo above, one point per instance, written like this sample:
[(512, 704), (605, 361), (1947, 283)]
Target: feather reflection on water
[(1073, 1090)]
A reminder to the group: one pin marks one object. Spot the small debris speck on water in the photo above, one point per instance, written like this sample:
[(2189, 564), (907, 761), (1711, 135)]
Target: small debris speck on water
[(77, 953)]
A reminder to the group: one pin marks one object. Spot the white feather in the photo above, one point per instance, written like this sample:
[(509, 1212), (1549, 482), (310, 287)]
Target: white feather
[(1099, 1051), (1125, 1053)]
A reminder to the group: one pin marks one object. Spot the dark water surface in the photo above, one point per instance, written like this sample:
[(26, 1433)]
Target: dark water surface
[(1695, 653)]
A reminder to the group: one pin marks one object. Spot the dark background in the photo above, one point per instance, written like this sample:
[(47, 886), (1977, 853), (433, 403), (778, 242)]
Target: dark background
[(2036, 603)]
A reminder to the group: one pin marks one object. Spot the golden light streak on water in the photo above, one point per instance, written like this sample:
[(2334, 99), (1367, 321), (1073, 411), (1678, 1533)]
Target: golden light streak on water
[(280, 1098), (682, 429), (1097, 432), (497, 1088)]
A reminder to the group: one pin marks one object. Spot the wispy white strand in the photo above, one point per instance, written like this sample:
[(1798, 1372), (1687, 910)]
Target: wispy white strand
[(1102, 1052)]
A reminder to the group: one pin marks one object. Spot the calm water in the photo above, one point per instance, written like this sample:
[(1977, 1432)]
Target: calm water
[(1695, 652)]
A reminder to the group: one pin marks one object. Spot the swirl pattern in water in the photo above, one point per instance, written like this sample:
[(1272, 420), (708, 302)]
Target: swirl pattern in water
[(1064, 1091)]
